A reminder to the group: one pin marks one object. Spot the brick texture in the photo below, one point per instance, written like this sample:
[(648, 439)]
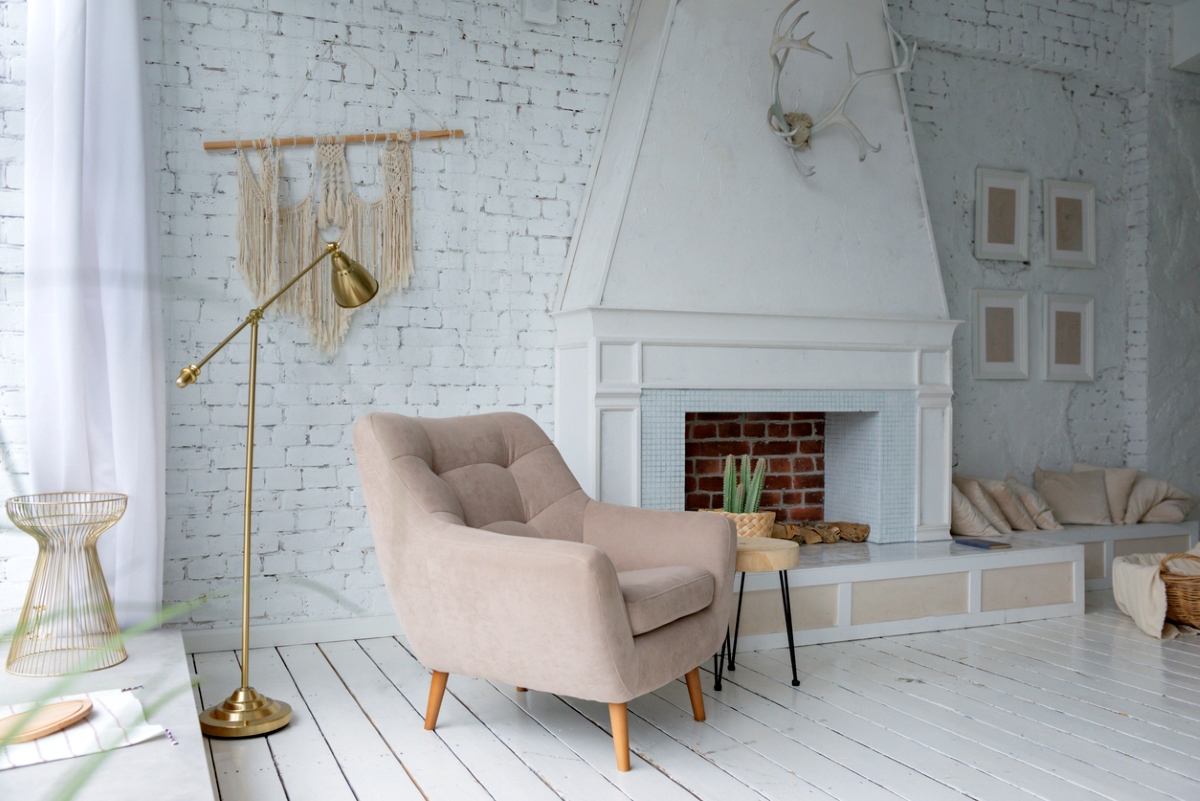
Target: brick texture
[(793, 443)]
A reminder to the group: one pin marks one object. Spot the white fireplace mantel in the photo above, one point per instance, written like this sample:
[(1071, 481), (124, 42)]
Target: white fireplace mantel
[(607, 359)]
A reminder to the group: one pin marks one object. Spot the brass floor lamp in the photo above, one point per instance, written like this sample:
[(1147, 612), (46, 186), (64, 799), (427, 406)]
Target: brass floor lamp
[(247, 712)]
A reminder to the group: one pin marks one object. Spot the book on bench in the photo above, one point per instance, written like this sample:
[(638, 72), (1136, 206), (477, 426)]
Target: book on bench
[(987, 545)]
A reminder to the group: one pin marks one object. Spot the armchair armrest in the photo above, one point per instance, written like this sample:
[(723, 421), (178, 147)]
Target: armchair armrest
[(544, 614), (637, 538)]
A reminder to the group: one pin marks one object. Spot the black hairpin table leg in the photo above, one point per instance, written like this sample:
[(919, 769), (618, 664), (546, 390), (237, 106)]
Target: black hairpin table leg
[(737, 627), (786, 595), (719, 660)]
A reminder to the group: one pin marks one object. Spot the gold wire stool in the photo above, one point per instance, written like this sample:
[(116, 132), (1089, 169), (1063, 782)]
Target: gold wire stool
[(68, 623)]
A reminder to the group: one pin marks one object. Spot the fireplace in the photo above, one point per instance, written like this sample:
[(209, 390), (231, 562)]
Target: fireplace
[(706, 276), (791, 443)]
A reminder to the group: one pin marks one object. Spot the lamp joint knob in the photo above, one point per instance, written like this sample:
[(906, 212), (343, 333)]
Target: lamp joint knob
[(187, 375)]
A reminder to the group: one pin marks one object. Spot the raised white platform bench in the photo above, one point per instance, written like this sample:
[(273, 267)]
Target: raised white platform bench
[(156, 770), (1101, 544), (850, 591)]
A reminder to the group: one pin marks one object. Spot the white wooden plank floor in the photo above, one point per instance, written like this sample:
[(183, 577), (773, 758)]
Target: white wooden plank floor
[(1073, 708)]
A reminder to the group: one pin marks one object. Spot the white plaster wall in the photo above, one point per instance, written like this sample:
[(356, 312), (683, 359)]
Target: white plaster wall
[(1174, 283), (1059, 91), (1011, 426), (719, 219)]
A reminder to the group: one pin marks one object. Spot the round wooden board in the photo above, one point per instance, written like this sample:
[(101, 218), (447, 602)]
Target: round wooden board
[(47, 720), (766, 555)]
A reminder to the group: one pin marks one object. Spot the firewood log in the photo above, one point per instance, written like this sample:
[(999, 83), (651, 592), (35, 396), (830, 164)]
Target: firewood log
[(854, 532)]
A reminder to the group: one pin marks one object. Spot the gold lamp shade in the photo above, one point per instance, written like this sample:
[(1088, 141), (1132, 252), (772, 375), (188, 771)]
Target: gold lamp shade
[(352, 284)]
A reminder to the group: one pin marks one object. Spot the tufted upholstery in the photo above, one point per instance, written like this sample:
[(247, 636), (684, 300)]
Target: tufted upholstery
[(490, 470), (499, 565)]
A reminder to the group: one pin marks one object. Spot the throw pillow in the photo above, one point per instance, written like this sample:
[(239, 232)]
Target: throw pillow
[(1168, 512), (965, 519), (1034, 503), (1148, 493), (1078, 498), (982, 501), (1118, 483), (1014, 511)]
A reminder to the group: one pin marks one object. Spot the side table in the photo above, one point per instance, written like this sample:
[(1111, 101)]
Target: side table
[(761, 555)]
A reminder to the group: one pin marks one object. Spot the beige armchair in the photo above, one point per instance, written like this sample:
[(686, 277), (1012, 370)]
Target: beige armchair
[(500, 567)]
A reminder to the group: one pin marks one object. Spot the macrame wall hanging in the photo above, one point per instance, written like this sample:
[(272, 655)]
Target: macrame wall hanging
[(276, 242)]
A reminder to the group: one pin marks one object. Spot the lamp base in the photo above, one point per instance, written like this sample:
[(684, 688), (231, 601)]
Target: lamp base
[(246, 713)]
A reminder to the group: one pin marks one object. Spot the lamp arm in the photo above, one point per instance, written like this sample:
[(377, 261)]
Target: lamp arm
[(189, 374)]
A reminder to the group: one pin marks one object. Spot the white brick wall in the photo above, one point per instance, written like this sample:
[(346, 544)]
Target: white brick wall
[(493, 217)]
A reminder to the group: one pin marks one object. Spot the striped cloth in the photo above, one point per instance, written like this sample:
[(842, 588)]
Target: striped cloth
[(116, 721)]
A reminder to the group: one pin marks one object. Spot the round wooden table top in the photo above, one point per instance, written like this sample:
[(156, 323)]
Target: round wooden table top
[(766, 555)]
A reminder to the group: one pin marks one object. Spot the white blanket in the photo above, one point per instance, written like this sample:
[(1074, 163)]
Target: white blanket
[(116, 721), (1141, 594)]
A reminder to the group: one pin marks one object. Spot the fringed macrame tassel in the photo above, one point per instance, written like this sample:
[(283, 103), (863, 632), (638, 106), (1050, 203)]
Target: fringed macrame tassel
[(298, 245), (257, 223), (333, 184), (392, 218)]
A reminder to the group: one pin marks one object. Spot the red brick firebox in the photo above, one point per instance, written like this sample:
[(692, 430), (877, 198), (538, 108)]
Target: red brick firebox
[(793, 443)]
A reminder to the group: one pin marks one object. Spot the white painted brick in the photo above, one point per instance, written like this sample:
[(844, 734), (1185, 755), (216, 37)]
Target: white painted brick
[(493, 217)]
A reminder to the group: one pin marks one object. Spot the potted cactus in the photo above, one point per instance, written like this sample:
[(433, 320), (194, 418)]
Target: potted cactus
[(741, 498)]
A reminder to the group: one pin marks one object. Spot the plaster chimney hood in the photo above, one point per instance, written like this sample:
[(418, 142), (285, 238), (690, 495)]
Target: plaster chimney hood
[(703, 261)]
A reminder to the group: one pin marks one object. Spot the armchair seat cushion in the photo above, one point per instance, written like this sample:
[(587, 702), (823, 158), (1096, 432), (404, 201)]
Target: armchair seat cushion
[(656, 596)]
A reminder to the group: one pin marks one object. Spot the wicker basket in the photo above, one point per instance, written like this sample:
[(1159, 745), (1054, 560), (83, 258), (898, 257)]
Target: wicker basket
[(1183, 592), (749, 524)]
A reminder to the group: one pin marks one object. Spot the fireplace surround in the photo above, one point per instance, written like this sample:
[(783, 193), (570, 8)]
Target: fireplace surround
[(705, 274), (627, 378)]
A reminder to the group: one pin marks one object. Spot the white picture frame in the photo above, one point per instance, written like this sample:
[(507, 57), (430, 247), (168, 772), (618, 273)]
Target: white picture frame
[(540, 12), (1001, 215), (1069, 323), (1000, 334), (1069, 214)]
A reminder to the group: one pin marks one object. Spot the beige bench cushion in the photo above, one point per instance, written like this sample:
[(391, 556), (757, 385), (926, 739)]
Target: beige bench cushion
[(656, 596)]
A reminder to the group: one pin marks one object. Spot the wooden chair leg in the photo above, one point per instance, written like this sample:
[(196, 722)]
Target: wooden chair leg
[(694, 692), (618, 715), (437, 689)]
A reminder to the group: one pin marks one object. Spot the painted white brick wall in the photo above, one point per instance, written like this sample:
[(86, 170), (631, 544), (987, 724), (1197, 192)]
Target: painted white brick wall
[(493, 217)]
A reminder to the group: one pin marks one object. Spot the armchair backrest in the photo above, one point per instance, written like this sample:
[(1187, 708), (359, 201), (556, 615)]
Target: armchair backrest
[(498, 472)]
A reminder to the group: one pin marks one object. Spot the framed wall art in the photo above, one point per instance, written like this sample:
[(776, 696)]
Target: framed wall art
[(1070, 215), (1000, 332), (1070, 338), (1001, 215)]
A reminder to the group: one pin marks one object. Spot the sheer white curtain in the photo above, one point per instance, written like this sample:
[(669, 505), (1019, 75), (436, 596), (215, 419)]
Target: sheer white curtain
[(95, 386)]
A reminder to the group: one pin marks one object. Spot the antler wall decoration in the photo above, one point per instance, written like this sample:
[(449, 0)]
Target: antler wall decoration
[(795, 129)]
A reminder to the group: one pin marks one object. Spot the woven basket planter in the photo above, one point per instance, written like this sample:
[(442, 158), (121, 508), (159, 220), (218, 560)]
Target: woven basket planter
[(1183, 592), (749, 524)]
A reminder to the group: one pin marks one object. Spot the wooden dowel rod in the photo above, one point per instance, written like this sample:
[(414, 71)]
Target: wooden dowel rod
[(290, 141)]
